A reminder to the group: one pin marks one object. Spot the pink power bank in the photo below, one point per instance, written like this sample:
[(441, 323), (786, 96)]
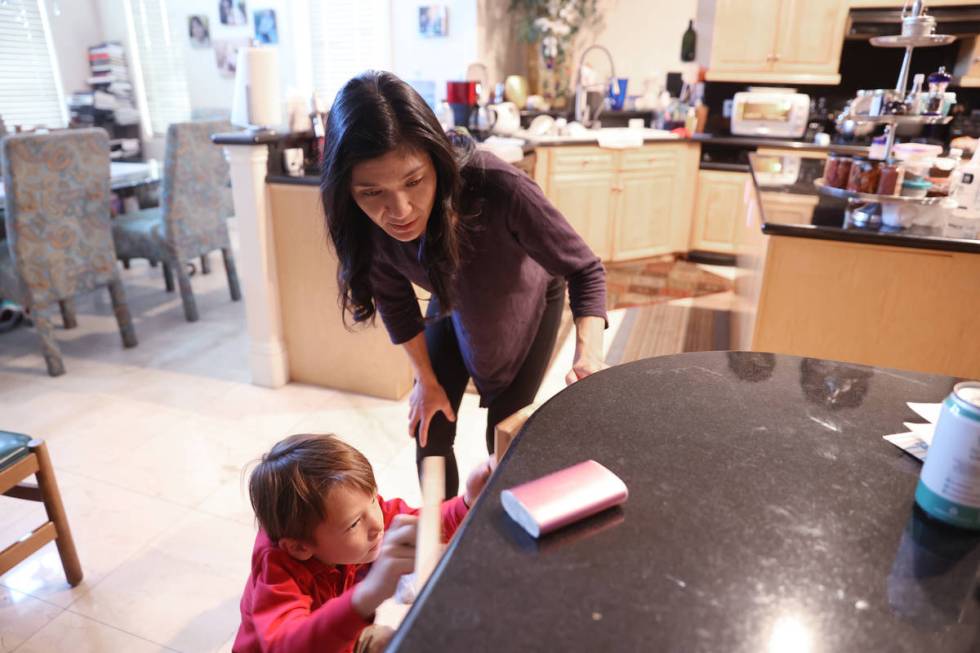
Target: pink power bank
[(563, 497)]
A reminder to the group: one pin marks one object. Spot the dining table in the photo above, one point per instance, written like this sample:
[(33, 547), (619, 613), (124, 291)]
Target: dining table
[(765, 513)]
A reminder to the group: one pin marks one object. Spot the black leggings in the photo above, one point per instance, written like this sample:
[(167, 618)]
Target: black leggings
[(447, 362)]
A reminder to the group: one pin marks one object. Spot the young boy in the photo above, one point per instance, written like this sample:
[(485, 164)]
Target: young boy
[(329, 550)]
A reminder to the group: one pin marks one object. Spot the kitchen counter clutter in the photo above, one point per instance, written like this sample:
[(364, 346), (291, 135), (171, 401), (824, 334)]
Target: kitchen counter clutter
[(811, 281), (765, 512), (781, 179)]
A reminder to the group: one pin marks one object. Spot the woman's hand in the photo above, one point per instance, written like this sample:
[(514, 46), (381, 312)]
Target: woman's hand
[(428, 398), (476, 481), (588, 348)]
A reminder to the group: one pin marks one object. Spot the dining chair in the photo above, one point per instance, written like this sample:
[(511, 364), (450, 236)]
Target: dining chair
[(21, 457), (59, 241), (191, 220)]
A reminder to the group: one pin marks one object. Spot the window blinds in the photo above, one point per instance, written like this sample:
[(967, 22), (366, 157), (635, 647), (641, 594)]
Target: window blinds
[(30, 85), (347, 37)]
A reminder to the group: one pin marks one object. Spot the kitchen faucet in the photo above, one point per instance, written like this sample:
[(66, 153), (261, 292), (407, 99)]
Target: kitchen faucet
[(582, 108)]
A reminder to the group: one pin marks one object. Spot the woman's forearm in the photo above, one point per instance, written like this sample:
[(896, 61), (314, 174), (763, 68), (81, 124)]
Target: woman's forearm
[(418, 355), (588, 336)]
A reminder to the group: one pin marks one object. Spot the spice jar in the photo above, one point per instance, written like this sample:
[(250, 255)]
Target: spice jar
[(864, 176)]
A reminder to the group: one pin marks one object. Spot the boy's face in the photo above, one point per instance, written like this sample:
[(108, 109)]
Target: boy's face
[(352, 532)]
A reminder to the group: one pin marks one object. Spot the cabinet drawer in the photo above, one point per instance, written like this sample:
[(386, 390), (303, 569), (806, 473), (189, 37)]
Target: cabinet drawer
[(578, 159), (654, 156)]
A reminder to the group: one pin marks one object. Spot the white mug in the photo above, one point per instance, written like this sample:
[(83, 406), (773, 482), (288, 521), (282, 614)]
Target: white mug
[(507, 118), (292, 161)]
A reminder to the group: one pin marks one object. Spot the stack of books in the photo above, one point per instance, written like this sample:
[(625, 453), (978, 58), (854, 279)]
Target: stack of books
[(110, 103)]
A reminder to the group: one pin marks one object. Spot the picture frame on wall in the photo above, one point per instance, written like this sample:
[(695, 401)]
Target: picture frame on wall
[(433, 21), (199, 31), (266, 29), (232, 12), (226, 54)]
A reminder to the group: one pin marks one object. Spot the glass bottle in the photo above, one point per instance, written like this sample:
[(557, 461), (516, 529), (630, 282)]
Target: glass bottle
[(689, 42), (938, 81)]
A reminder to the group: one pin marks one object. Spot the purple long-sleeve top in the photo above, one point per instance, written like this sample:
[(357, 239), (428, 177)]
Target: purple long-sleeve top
[(516, 244)]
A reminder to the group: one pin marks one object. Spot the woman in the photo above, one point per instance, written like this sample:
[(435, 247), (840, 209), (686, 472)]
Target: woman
[(406, 205)]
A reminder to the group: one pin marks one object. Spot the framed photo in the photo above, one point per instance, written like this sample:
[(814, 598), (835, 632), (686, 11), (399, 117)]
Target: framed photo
[(226, 54), (198, 31), (232, 12), (433, 20), (266, 31)]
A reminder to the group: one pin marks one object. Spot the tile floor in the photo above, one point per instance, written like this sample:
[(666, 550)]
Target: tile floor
[(149, 445)]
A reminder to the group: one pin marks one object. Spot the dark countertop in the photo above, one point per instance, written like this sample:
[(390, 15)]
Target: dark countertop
[(830, 220), (766, 512)]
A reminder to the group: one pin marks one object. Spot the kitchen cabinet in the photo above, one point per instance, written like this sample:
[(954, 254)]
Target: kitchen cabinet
[(967, 70), (719, 208), (585, 200), (794, 41), (626, 204)]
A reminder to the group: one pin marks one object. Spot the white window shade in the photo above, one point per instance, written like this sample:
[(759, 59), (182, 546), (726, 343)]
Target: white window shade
[(30, 86), (158, 63), (347, 37)]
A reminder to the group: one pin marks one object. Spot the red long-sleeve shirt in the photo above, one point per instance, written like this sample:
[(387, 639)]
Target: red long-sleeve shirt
[(297, 606)]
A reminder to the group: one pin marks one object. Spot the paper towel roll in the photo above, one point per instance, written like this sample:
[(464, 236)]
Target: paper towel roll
[(256, 99)]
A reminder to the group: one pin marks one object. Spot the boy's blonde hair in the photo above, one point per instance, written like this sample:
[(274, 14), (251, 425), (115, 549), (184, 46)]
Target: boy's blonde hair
[(289, 485)]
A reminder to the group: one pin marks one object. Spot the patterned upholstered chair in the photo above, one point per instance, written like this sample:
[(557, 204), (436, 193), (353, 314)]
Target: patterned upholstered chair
[(59, 241), (191, 219), (20, 457)]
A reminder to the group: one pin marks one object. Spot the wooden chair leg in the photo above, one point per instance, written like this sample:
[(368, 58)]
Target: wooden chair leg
[(126, 263), (186, 293), (56, 513), (68, 319), (121, 310), (205, 264), (168, 277), (232, 272), (49, 347)]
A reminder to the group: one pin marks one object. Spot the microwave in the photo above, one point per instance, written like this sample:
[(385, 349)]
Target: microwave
[(767, 113)]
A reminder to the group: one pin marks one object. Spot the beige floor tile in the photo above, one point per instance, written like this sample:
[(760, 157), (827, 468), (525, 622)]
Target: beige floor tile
[(22, 615), (72, 632), (182, 590), (109, 524)]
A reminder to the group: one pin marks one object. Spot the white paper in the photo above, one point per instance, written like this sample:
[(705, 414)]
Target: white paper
[(928, 412), (910, 443), (924, 431)]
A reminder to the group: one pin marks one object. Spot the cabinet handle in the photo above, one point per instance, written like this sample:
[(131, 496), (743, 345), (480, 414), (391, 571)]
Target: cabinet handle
[(775, 57), (769, 57)]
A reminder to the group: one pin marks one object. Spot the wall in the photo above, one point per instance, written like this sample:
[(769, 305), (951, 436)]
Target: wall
[(644, 37), (438, 59), (75, 25)]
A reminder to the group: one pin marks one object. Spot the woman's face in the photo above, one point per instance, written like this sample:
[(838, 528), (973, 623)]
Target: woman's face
[(396, 191)]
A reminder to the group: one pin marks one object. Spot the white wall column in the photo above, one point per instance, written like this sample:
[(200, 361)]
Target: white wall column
[(257, 265)]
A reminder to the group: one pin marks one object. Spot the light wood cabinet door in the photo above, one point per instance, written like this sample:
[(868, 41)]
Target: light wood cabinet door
[(643, 212), (810, 37), (719, 207), (585, 199), (786, 208), (743, 38)]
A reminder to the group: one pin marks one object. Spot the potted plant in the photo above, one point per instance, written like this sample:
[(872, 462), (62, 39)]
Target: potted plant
[(550, 27)]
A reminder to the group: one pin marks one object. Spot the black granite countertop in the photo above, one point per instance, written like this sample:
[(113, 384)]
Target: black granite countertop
[(766, 512), (830, 219)]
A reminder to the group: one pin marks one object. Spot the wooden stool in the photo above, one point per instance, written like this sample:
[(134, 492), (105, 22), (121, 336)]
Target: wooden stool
[(21, 456), (508, 428)]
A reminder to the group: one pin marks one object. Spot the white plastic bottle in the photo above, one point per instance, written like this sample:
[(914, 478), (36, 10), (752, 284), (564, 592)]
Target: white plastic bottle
[(965, 184)]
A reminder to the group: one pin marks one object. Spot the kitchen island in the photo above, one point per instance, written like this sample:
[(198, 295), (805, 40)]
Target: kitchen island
[(766, 513), (812, 282)]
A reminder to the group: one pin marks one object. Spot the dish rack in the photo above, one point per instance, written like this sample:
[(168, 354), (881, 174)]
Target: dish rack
[(918, 31)]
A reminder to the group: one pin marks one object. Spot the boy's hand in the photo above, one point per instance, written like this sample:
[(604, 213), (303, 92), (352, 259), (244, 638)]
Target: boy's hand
[(476, 481), (396, 559)]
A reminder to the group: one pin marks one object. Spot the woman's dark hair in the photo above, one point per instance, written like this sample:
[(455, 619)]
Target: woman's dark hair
[(373, 114)]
